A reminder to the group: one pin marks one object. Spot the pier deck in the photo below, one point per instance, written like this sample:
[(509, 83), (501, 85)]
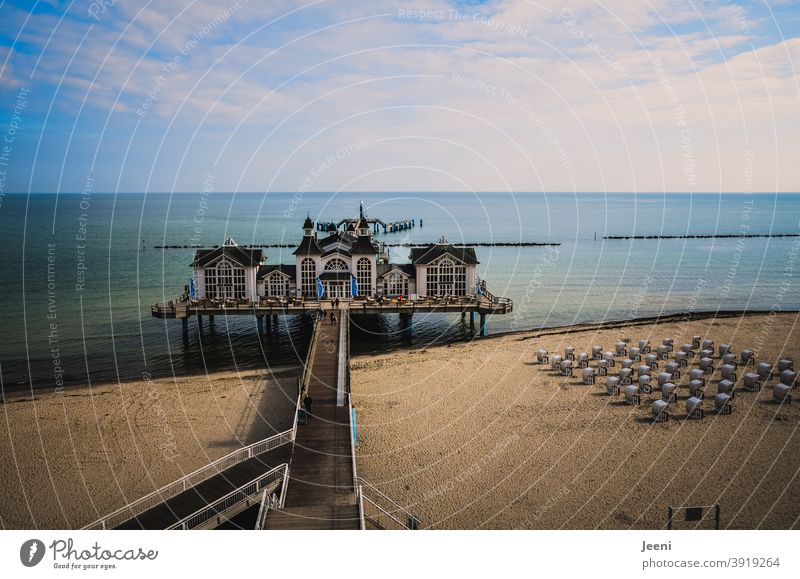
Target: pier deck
[(321, 492)]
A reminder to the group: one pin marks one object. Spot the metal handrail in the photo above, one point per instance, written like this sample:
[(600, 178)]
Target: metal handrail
[(382, 513), (395, 507), (196, 477), (230, 500), (360, 501)]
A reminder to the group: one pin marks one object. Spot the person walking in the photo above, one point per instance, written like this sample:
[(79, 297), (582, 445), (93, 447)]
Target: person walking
[(307, 403), (333, 318)]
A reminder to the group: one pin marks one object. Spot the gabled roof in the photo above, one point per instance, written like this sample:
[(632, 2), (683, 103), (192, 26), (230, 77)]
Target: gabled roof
[(386, 268), (265, 270), (244, 256), (364, 244), (425, 255), (336, 251), (308, 246)]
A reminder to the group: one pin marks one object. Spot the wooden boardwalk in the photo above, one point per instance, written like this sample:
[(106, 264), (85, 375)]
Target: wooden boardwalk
[(320, 494), (190, 501)]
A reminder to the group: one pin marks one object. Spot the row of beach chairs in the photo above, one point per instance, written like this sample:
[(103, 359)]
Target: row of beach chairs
[(638, 381)]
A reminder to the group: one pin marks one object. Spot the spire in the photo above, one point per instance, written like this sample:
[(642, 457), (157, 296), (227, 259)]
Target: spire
[(229, 242), (308, 225), (361, 209)]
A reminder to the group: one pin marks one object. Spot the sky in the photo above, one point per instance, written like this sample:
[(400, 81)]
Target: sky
[(246, 95)]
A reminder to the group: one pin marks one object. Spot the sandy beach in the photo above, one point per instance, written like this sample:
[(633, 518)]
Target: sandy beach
[(476, 435), (69, 457)]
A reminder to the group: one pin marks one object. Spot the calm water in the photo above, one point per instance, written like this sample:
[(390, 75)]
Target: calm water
[(104, 330)]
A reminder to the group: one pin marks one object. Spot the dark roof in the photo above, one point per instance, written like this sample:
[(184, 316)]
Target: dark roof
[(425, 255), (308, 246), (244, 256), (336, 251), (407, 268), (362, 224), (364, 244), (264, 270), (334, 276), (308, 224)]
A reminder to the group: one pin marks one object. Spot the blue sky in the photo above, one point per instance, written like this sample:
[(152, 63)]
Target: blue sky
[(664, 95)]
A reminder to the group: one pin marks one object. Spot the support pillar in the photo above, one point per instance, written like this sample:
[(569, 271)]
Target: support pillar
[(211, 323), (260, 322), (409, 326), (463, 316), (185, 327), (199, 324), (472, 320), (483, 325)]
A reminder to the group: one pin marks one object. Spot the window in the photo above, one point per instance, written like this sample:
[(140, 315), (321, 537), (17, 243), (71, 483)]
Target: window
[(395, 284), (364, 276), (276, 285), (447, 278), (336, 264), (308, 277), (224, 281)]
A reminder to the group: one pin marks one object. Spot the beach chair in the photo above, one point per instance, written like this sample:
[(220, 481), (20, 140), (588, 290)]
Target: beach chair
[(643, 370), (693, 408), (652, 360), (635, 354), (602, 367), (681, 359), (707, 353), (722, 403), (785, 364), (728, 372), (609, 357), (669, 392), (625, 376), (660, 413), (612, 386), (707, 344), (632, 395), (597, 352), (662, 352), (729, 359), (621, 349), (725, 349), (644, 384), (725, 387), (752, 382), (583, 360), (626, 363), (555, 362), (541, 356), (566, 368), (588, 376), (696, 342), (781, 394), (747, 357), (663, 378), (764, 370), (697, 388), (697, 374), (569, 353), (789, 377), (644, 345), (674, 369), (688, 349), (707, 365), (669, 343)]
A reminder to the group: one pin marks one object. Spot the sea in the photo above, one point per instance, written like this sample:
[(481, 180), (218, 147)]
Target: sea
[(80, 271)]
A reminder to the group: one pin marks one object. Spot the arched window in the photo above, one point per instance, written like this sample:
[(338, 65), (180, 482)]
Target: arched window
[(364, 276), (336, 264), (225, 281), (447, 278), (276, 285), (395, 284), (308, 277)]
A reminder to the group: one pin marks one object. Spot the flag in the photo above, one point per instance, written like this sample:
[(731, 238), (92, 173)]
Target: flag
[(192, 288), (320, 289), (478, 289), (353, 285)]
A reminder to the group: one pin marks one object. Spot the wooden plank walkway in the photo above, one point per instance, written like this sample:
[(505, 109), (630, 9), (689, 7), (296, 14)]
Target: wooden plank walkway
[(320, 494)]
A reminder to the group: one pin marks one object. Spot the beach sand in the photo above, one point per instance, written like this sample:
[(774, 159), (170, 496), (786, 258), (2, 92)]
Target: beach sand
[(475, 435), (69, 457)]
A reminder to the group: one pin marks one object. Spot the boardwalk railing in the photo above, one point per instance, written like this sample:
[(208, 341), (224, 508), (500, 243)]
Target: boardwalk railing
[(202, 474), (382, 512), (268, 502), (216, 510)]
